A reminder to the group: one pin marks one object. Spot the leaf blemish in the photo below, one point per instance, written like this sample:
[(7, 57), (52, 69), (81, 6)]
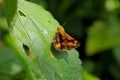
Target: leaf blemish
[(49, 21), (28, 52), (26, 48), (21, 13), (45, 32)]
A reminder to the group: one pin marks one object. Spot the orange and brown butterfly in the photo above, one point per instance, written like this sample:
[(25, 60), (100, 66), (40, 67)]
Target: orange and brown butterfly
[(63, 41)]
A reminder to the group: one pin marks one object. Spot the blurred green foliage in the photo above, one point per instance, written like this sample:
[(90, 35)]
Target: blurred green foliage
[(96, 24)]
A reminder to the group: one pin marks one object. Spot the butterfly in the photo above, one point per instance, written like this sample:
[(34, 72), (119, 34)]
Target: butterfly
[(63, 41)]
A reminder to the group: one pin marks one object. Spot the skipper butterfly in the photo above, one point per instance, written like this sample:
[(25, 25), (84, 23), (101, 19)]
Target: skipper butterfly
[(63, 41)]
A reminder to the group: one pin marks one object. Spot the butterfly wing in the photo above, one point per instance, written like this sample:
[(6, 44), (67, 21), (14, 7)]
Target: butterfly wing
[(71, 42), (60, 42), (63, 41)]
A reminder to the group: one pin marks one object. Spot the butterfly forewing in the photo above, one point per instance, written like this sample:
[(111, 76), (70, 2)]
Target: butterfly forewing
[(71, 42), (63, 41)]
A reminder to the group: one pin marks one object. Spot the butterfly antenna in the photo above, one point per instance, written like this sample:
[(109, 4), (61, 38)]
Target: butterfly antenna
[(64, 24)]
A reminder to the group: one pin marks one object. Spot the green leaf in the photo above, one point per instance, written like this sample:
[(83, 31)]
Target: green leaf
[(10, 9), (103, 35), (9, 64), (116, 51), (88, 76), (32, 38), (3, 21)]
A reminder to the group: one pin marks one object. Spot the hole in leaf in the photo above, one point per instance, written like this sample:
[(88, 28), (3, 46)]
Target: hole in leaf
[(28, 52), (26, 47), (21, 13)]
